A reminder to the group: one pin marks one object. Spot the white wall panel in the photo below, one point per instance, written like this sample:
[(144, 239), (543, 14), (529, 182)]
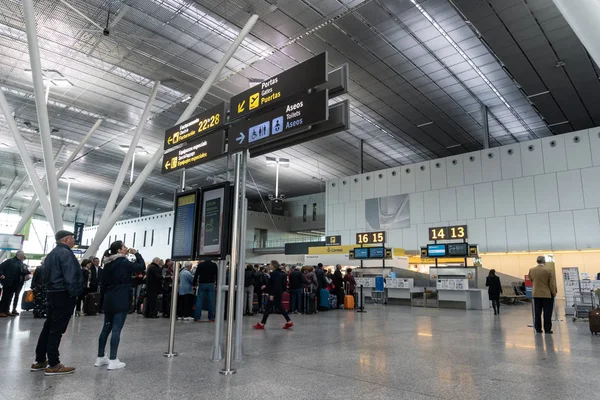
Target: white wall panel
[(496, 234), (423, 177), (472, 167), (423, 234), (477, 233), (538, 232), (438, 174), (532, 158), (394, 181), (555, 155), (465, 200), (562, 230), (432, 206), (344, 190), (338, 217), (380, 179), (484, 200), (578, 150), (360, 215), (329, 219), (510, 159), (368, 187), (355, 188), (570, 190), (490, 163), (455, 171), (333, 187), (524, 192), (516, 233), (417, 209), (546, 193), (350, 216), (504, 200), (587, 229), (448, 206), (346, 238), (594, 134), (408, 179), (409, 238), (394, 238), (591, 186)]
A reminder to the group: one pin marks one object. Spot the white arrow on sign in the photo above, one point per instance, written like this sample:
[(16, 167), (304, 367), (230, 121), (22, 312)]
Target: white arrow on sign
[(240, 139)]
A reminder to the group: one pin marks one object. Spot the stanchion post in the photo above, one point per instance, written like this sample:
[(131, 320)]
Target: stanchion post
[(362, 300), (217, 350), (171, 350)]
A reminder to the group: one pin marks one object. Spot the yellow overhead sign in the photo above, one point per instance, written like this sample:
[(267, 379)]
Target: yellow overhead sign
[(344, 250)]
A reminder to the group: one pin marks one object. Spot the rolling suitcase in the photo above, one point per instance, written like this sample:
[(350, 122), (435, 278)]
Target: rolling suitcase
[(348, 301), (310, 302), (594, 317), (91, 304), (323, 300), (333, 303), (285, 300)]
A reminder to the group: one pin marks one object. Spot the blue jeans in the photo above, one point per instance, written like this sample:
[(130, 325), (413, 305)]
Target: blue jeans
[(296, 300), (114, 323), (205, 290)]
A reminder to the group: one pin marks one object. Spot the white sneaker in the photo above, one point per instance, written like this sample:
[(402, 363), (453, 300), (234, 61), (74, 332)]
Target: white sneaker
[(115, 364), (100, 361)]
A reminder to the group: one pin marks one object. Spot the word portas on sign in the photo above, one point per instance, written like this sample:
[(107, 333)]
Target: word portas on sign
[(204, 149), (196, 126), (301, 112)]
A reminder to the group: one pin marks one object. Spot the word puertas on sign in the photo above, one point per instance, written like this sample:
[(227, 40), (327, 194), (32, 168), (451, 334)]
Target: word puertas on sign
[(301, 112), (295, 80), (184, 225), (196, 126), (205, 148)]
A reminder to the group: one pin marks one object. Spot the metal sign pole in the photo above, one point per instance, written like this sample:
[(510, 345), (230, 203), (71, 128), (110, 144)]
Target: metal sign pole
[(217, 350), (239, 312), (171, 350), (227, 370)]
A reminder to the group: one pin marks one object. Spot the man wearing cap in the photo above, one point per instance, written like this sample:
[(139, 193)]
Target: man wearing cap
[(64, 281)]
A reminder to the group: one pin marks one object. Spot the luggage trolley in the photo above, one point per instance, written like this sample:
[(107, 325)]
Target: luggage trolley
[(583, 303)]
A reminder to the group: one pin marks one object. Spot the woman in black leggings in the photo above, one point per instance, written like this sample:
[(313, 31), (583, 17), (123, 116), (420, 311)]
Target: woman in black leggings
[(494, 290)]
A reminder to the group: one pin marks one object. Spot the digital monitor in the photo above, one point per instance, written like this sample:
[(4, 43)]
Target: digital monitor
[(458, 249), (360, 254), (436, 250), (377, 252)]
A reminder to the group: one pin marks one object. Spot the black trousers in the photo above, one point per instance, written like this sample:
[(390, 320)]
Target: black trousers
[(547, 306), (60, 309), (185, 303), (17, 294), (151, 302), (7, 295), (277, 302)]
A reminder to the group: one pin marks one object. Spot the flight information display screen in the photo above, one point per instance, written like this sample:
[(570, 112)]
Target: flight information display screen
[(436, 250)]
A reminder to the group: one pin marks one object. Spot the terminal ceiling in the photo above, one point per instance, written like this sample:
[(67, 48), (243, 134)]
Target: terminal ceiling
[(419, 75)]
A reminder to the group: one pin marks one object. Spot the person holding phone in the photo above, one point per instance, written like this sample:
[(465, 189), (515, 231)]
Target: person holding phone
[(116, 286)]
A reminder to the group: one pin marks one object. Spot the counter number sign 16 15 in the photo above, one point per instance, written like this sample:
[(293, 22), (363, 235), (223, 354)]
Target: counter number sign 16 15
[(370, 237)]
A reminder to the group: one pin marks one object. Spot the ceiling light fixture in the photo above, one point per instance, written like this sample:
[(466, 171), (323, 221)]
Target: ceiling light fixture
[(425, 124), (538, 94), (277, 162), (460, 51), (560, 64), (453, 146), (559, 123)]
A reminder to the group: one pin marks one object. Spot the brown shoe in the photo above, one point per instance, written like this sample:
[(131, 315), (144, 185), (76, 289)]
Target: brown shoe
[(59, 369), (41, 366), (3, 315)]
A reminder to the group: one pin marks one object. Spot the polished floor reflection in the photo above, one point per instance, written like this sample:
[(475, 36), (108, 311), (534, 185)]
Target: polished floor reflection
[(389, 352)]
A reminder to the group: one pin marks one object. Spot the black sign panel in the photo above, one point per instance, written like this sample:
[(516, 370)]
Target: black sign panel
[(78, 232), (216, 208), (278, 124), (196, 126), (448, 232), (298, 79), (184, 225), (201, 150), (457, 249), (333, 240)]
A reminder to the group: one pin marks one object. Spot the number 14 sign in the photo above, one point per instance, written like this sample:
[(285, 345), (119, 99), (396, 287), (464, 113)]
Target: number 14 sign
[(448, 233)]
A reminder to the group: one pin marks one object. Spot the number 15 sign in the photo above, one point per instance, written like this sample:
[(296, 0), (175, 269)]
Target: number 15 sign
[(448, 233)]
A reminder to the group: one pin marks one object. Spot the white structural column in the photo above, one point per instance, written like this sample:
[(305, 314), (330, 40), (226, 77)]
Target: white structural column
[(105, 228), (11, 190), (128, 160), (42, 113), (26, 158), (584, 18)]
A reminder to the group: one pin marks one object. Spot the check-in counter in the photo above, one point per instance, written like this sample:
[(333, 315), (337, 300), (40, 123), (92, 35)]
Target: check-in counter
[(399, 290), (455, 293)]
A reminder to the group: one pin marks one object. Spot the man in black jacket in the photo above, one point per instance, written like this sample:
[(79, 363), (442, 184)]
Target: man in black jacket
[(64, 280), (338, 283), (11, 275), (153, 288), (296, 290), (95, 275), (321, 281), (275, 288), (249, 278), (205, 280)]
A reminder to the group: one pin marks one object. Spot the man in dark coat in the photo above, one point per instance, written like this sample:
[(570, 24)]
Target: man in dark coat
[(275, 288), (11, 276), (153, 288), (321, 280), (95, 275), (338, 282), (63, 277), (296, 290)]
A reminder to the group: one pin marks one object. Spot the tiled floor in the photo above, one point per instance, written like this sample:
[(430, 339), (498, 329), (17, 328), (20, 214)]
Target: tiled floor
[(390, 352)]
